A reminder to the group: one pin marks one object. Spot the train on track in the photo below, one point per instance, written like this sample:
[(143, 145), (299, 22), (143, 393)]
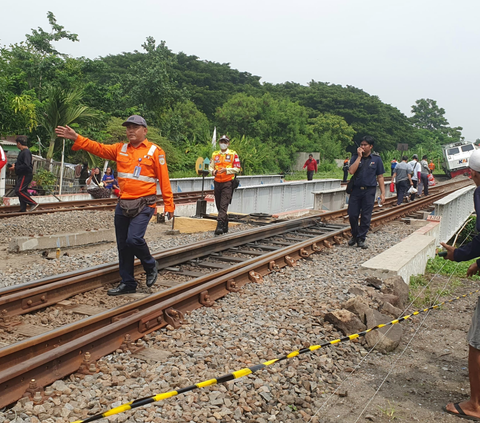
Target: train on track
[(455, 158)]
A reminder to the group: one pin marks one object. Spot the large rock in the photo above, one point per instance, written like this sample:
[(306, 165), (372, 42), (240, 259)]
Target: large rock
[(396, 286), (391, 310), (387, 298), (357, 306), (385, 339), (345, 321)]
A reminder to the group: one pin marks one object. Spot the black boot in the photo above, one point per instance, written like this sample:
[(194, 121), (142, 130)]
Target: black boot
[(225, 227), (219, 229)]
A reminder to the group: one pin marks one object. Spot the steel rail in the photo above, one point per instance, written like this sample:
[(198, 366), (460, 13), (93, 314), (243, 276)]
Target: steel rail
[(25, 298), (62, 351), (20, 299), (93, 204)]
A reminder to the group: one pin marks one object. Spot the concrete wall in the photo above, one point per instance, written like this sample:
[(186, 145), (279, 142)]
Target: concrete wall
[(409, 257), (279, 198), (454, 210)]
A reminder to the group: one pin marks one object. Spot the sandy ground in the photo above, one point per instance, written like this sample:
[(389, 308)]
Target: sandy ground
[(412, 384)]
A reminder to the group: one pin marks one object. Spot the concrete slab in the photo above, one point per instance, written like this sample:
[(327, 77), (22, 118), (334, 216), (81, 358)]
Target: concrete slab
[(47, 242), (189, 225), (409, 257)]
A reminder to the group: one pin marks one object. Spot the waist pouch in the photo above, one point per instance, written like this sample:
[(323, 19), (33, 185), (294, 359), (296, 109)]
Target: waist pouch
[(132, 208)]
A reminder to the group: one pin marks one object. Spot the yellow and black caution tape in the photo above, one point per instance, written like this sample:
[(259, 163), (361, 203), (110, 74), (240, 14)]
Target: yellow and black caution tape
[(249, 370)]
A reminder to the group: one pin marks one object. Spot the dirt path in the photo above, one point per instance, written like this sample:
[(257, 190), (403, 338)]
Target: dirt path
[(427, 370)]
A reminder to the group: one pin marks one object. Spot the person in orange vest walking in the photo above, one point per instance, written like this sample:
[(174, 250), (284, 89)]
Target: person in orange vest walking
[(140, 164), (224, 166), (431, 166)]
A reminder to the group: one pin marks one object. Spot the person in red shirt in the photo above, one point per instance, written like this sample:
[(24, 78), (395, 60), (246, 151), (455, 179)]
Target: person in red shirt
[(311, 165), (140, 164)]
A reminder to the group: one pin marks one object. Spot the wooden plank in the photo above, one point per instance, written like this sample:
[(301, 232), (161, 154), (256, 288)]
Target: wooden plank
[(88, 310), (212, 265), (250, 252), (230, 259), (27, 329)]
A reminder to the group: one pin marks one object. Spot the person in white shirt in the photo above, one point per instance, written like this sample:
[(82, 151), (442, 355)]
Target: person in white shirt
[(416, 171)]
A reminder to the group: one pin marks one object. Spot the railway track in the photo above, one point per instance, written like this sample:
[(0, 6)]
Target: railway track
[(96, 204), (217, 267)]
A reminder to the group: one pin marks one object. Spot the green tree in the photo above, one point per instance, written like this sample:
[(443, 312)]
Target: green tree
[(427, 115), (331, 136), (184, 122), (63, 107)]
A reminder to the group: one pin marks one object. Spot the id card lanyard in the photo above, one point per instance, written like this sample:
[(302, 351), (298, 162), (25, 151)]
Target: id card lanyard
[(138, 169)]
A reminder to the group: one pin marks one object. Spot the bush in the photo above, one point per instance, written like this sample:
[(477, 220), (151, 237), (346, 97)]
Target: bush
[(45, 180)]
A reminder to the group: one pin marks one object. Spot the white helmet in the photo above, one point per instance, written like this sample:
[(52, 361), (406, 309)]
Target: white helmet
[(474, 161)]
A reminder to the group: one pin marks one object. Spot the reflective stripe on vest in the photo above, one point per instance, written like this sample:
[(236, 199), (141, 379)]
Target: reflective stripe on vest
[(124, 148), (152, 150), (136, 178)]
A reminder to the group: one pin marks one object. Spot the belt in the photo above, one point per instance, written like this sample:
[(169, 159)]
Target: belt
[(367, 187)]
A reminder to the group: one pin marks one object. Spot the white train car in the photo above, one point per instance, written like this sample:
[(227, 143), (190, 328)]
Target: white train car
[(455, 158)]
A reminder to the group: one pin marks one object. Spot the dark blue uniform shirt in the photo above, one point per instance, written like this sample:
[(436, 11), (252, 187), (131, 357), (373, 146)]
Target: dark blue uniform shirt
[(472, 249), (368, 170)]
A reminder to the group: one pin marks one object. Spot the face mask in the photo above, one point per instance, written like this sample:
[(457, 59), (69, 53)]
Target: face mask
[(223, 146)]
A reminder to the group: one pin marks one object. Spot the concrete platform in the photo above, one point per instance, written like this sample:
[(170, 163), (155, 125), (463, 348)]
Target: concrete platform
[(409, 257)]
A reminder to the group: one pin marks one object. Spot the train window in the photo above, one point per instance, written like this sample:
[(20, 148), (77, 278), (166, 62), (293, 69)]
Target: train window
[(452, 151), (468, 147)]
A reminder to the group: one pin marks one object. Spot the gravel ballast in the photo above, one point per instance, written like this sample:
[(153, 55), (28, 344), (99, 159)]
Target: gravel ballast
[(259, 323)]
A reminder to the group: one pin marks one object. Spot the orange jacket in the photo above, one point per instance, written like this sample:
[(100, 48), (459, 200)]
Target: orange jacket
[(228, 160), (431, 166), (150, 157)]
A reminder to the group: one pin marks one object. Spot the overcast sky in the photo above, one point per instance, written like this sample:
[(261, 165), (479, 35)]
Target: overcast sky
[(400, 50)]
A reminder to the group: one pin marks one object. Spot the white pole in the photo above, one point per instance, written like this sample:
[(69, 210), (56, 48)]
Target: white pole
[(104, 168), (2, 181), (61, 168)]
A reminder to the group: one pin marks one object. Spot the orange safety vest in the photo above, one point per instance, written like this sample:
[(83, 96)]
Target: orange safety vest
[(431, 166), (227, 160), (148, 156)]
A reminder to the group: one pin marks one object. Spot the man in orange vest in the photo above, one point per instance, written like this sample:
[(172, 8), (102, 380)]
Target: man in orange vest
[(431, 166), (140, 164), (224, 166)]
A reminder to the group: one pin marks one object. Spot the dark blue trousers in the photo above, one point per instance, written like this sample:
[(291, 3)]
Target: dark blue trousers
[(402, 188), (130, 243), (361, 202)]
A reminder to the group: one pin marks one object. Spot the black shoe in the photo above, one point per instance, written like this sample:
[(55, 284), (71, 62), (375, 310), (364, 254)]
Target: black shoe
[(152, 275), (121, 290), (32, 208), (219, 229), (225, 227), (361, 244), (352, 241)]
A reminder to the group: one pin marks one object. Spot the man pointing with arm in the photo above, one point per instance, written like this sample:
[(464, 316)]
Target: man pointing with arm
[(139, 164)]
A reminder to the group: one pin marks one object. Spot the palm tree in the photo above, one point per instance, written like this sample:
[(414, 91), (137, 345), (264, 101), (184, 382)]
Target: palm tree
[(63, 107)]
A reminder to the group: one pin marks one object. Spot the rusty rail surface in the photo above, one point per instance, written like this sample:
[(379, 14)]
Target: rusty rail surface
[(77, 346), (94, 204)]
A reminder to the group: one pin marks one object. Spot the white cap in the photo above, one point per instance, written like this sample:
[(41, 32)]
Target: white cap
[(474, 161)]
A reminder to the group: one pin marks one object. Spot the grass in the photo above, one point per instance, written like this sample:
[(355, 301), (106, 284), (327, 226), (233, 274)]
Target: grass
[(424, 291), (299, 175), (440, 266), (389, 411)]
